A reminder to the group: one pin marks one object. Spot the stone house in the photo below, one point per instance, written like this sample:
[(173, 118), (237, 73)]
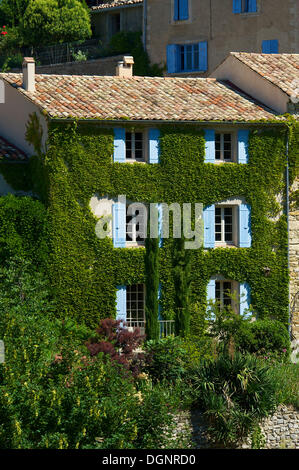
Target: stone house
[(161, 141)]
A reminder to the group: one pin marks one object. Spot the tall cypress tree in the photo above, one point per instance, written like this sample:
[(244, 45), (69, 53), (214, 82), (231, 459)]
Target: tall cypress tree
[(182, 269), (152, 286)]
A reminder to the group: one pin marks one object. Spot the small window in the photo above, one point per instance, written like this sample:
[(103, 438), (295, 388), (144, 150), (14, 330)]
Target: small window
[(224, 225), (224, 147), (244, 6), (136, 306), (135, 146), (181, 10), (223, 294), (136, 226), (270, 47)]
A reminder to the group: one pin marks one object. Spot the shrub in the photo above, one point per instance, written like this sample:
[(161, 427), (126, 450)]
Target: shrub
[(235, 393)]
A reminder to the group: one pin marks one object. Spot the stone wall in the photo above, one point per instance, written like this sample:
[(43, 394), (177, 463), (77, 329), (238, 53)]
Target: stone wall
[(294, 264), (280, 431)]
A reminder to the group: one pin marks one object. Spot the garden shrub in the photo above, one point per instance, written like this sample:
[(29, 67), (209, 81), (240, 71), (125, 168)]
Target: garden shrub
[(235, 392)]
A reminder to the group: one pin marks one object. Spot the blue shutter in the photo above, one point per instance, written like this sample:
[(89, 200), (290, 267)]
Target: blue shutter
[(244, 226), (172, 58), (270, 47), (119, 225), (209, 226), (119, 145), (176, 10), (210, 146), (243, 140), (160, 224), (211, 296), (183, 10), (252, 6), (154, 145), (121, 303), (245, 300), (237, 6), (203, 56)]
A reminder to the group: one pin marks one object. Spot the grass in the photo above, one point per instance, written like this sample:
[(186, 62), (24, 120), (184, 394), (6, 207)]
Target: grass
[(287, 378)]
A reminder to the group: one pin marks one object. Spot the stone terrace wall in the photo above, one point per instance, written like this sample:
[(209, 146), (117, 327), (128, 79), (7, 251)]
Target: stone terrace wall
[(280, 431)]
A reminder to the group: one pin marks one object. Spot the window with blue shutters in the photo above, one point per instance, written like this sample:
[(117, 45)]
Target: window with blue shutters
[(226, 146), (227, 294), (270, 47), (244, 6), (181, 10), (187, 57)]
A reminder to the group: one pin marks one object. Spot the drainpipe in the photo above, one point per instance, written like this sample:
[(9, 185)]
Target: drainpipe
[(288, 221), (144, 23)]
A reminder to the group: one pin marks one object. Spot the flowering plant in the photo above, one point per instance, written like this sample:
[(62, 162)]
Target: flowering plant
[(3, 32)]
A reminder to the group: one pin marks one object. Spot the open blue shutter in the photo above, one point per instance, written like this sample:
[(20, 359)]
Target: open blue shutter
[(119, 225), (211, 296), (244, 226), (210, 146), (209, 226), (237, 6), (243, 140), (245, 300), (252, 6), (154, 145), (160, 224), (270, 47), (119, 145), (183, 10), (121, 303), (203, 56), (172, 58)]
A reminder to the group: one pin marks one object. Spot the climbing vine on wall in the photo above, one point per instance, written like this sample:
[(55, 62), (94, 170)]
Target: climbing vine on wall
[(85, 270)]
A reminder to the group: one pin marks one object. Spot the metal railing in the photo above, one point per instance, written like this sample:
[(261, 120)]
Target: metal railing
[(166, 327)]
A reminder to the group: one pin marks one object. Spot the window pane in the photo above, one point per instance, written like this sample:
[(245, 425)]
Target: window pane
[(217, 146), (195, 57), (189, 57), (128, 145)]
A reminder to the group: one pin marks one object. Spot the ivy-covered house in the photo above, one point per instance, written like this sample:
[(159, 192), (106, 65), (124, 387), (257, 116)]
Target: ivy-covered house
[(154, 140)]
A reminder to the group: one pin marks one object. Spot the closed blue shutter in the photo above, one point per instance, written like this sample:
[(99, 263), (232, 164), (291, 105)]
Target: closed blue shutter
[(160, 224), (183, 10), (237, 6), (203, 56), (244, 226), (245, 300), (154, 145), (270, 47), (252, 6), (210, 146), (243, 140), (119, 145), (211, 297), (121, 303), (119, 225), (172, 58), (176, 10), (209, 226)]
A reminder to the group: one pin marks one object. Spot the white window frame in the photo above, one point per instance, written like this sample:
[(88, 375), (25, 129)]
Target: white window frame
[(234, 146), (234, 241), (133, 132), (131, 321), (235, 293), (133, 242)]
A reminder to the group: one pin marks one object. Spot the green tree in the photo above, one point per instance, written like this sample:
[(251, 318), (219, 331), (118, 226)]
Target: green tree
[(152, 287), (12, 12), (182, 267), (53, 21)]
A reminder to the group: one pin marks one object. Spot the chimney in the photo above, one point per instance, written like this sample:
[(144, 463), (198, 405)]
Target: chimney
[(28, 67), (124, 68)]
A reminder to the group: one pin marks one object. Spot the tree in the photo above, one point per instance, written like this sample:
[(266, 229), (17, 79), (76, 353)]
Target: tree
[(182, 267), (152, 287), (12, 12), (53, 21)]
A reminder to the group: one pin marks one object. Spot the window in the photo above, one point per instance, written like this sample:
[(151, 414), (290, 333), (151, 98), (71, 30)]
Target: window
[(223, 147), (136, 306), (223, 294), (135, 146), (136, 225), (181, 10), (224, 231), (187, 57), (270, 47), (244, 6)]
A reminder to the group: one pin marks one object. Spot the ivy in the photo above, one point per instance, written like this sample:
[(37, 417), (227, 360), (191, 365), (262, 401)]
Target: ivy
[(85, 270)]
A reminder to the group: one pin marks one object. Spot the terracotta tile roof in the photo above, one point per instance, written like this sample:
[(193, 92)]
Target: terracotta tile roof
[(280, 69), (140, 98), (115, 4), (10, 153)]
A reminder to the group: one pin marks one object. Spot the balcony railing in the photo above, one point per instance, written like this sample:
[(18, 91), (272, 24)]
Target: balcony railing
[(166, 327)]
